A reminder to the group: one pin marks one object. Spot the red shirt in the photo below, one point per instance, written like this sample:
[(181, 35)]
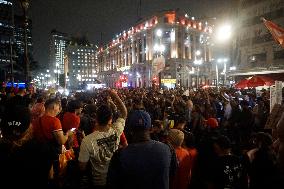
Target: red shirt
[(182, 177), (44, 127), (71, 120)]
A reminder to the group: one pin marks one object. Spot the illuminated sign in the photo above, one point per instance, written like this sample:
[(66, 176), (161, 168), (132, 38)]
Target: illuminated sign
[(168, 81), (123, 68)]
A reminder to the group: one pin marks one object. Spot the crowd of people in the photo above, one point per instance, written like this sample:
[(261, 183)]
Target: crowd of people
[(140, 138)]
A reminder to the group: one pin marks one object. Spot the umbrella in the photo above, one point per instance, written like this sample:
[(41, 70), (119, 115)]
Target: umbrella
[(256, 81), (242, 84)]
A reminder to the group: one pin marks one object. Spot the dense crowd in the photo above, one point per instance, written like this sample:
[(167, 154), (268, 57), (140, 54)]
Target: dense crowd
[(140, 138)]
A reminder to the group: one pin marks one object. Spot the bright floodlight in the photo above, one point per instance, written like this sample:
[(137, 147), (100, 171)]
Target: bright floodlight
[(224, 33), (156, 47), (162, 48), (198, 62), (198, 52), (159, 32)]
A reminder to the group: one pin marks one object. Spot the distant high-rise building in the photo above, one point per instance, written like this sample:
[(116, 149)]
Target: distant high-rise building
[(6, 37), (19, 39), (257, 51), (58, 44), (80, 63), (19, 34)]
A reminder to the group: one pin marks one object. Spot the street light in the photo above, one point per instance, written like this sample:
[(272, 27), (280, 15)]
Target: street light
[(224, 33), (198, 62)]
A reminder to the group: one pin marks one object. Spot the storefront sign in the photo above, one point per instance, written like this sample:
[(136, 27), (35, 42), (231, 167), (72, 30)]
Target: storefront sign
[(168, 81)]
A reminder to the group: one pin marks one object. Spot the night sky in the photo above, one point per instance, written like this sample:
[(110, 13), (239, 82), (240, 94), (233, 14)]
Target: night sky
[(91, 17)]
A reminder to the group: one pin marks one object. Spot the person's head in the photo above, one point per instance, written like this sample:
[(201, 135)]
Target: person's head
[(21, 92), (189, 104), (139, 125), (212, 123), (222, 145), (15, 125), (180, 122), (263, 140), (52, 107), (157, 126), (90, 109), (244, 104), (74, 106), (104, 116), (176, 137), (138, 103)]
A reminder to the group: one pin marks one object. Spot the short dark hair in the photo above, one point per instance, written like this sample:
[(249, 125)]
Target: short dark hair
[(73, 105), (50, 103), (104, 114)]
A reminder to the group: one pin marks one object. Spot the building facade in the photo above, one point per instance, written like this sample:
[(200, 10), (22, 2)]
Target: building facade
[(58, 44), (19, 40), (80, 64), (257, 51), (169, 41), (6, 38)]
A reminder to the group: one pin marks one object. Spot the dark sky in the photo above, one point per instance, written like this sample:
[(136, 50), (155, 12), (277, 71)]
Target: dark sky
[(91, 17)]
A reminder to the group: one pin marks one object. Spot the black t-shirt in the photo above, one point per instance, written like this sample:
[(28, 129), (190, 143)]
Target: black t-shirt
[(229, 173)]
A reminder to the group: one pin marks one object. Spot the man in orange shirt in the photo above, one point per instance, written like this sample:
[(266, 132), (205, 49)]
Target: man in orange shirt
[(48, 133), (71, 120), (182, 178)]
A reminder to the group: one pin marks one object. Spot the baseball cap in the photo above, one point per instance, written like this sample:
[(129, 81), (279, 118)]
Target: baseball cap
[(139, 119), (16, 121)]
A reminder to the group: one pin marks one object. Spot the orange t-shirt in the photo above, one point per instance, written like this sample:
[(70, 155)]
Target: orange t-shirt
[(193, 156), (182, 177), (44, 127), (71, 120)]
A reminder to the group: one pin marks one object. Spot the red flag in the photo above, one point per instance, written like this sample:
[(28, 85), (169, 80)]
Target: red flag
[(276, 31)]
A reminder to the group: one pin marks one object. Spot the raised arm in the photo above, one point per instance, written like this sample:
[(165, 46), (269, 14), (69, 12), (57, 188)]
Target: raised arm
[(120, 105)]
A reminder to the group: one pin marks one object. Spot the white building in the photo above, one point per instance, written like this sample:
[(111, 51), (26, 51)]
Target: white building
[(58, 44), (182, 42), (80, 64)]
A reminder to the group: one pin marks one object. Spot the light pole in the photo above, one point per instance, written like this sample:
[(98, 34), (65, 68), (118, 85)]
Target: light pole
[(25, 6), (198, 62), (159, 48), (224, 61)]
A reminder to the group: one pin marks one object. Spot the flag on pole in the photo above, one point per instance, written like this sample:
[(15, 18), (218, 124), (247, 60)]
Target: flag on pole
[(276, 31)]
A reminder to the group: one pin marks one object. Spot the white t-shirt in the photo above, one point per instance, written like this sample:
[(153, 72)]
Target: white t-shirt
[(98, 147)]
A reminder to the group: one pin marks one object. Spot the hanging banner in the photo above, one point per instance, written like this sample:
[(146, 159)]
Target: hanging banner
[(272, 97), (158, 65), (278, 88)]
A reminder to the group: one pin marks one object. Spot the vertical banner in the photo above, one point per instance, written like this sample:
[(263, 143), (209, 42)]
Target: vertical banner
[(278, 88), (272, 97), (158, 65)]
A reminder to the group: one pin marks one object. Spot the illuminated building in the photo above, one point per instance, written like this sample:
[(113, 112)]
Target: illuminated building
[(80, 58), (6, 35), (129, 59), (257, 51), (58, 44)]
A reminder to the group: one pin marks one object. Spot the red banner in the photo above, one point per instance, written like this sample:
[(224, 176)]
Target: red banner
[(276, 31)]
